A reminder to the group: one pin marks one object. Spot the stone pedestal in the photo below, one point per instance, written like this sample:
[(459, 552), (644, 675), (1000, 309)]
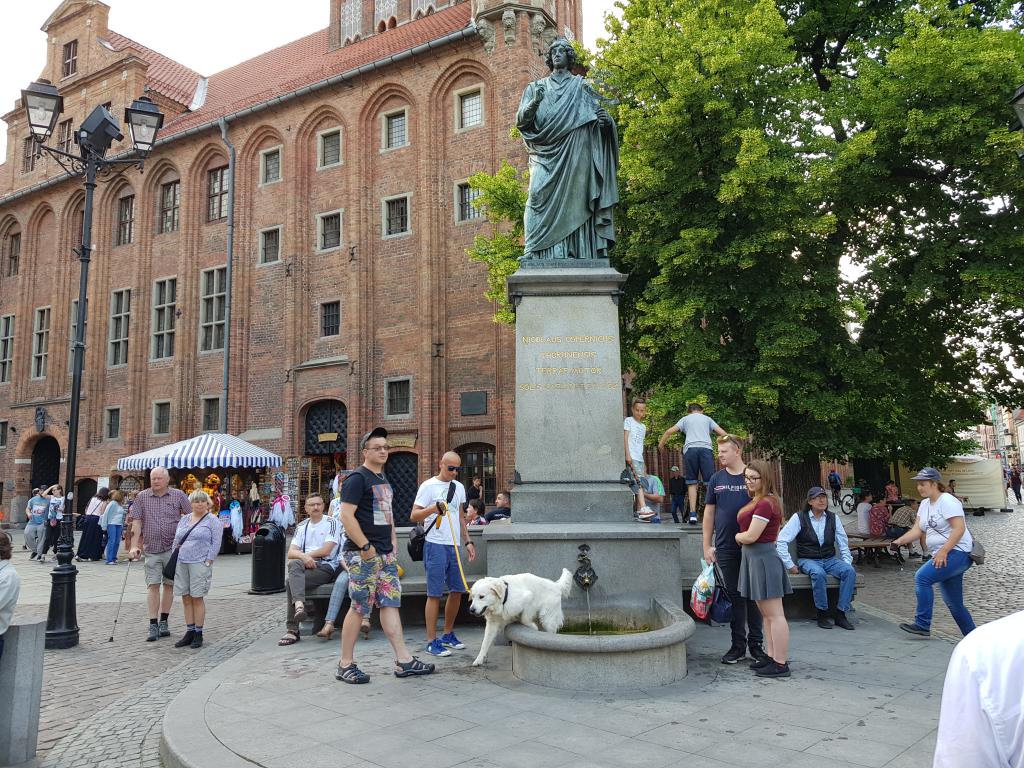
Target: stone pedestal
[(569, 409), (21, 681)]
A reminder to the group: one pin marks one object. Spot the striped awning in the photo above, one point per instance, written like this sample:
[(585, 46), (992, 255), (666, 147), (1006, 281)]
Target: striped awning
[(211, 450)]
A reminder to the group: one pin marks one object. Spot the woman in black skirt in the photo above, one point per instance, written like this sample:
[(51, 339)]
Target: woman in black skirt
[(90, 545), (763, 577)]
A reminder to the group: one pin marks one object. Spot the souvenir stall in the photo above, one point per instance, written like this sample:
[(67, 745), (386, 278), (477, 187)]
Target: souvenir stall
[(231, 471)]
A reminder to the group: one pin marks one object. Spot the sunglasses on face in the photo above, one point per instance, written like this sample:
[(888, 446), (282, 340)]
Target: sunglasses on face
[(450, 468)]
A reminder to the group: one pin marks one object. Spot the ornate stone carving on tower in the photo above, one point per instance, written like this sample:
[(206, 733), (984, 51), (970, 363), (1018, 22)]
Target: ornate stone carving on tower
[(494, 15)]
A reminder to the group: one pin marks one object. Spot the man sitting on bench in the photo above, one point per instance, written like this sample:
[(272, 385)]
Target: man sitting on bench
[(818, 534), (312, 560)]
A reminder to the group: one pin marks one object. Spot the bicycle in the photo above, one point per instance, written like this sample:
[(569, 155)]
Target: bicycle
[(849, 502)]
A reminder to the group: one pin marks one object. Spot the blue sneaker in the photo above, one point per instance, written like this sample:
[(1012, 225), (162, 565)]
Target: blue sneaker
[(451, 641), (434, 648), (655, 519)]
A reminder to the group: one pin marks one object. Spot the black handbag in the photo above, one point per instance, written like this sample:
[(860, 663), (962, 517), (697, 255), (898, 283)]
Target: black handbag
[(721, 603), (172, 562)]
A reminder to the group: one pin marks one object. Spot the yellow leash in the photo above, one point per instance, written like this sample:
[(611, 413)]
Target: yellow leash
[(458, 559)]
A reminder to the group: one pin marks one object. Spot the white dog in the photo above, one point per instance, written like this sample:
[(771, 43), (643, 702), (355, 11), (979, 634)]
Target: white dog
[(522, 597)]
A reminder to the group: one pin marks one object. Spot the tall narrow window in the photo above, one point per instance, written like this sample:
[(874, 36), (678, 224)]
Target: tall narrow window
[(13, 255), (162, 418), (398, 397), (395, 131), (270, 245), (40, 342), (74, 330), (467, 210), (396, 216), (28, 155), (3, 434), (6, 347), (70, 59), (329, 231), (471, 109), (217, 194), (329, 151), (112, 426), (270, 166), (165, 300), (66, 135), (330, 318), (212, 301), (170, 206), (211, 414), (125, 219), (120, 315)]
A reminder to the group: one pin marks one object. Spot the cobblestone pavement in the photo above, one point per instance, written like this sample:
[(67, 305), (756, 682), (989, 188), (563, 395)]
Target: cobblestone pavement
[(991, 591), (126, 684)]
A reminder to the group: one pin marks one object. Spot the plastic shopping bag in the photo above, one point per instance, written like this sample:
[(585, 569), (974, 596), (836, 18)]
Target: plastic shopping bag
[(703, 590)]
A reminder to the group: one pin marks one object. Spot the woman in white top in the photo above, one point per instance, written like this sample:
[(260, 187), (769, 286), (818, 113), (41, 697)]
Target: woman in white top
[(941, 520)]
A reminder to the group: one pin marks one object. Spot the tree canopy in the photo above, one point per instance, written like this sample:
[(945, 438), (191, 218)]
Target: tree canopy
[(821, 221)]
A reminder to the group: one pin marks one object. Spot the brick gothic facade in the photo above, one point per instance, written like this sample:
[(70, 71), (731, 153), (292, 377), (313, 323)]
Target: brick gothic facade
[(353, 302)]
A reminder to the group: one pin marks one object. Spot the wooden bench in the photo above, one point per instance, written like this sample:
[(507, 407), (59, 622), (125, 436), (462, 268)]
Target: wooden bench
[(870, 549)]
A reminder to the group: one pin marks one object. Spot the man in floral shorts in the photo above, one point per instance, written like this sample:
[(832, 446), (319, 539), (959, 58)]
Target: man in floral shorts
[(372, 563)]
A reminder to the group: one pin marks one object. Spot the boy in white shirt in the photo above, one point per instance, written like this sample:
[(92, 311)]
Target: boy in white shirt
[(634, 433), (446, 530)]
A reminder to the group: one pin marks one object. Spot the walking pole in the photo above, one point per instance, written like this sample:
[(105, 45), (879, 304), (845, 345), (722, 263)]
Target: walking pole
[(118, 612), (458, 559)]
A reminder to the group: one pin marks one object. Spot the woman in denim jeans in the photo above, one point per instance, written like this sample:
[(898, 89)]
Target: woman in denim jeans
[(940, 519)]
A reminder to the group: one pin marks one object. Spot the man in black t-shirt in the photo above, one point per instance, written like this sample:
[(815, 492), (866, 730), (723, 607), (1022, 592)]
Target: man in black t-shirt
[(726, 496), (372, 564)]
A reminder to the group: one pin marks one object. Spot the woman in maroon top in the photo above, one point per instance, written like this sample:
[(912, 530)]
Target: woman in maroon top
[(763, 577)]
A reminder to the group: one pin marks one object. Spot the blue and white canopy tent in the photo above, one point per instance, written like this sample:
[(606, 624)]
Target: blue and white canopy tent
[(211, 450)]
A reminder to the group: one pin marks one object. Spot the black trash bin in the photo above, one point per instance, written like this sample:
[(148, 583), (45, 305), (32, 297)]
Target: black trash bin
[(268, 560)]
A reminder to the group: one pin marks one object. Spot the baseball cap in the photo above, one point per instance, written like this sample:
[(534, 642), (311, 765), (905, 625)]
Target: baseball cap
[(815, 492), (675, 469), (375, 432), (928, 473)]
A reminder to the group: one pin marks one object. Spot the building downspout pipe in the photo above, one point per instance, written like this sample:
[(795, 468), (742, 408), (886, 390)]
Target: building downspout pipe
[(223, 123)]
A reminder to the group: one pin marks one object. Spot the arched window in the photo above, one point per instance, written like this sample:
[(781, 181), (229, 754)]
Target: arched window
[(478, 461), (402, 471)]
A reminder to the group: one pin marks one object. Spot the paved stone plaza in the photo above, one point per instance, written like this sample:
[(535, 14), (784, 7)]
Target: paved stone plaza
[(868, 697)]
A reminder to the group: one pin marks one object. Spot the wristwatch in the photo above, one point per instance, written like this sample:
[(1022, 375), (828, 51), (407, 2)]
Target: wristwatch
[(365, 547)]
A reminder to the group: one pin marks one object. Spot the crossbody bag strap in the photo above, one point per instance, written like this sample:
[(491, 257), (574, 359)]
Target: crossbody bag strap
[(190, 531)]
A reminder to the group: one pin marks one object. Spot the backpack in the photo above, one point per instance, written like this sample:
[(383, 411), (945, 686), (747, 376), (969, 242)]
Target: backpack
[(418, 535), (878, 521)]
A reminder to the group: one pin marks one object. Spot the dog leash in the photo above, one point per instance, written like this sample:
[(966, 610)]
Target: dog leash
[(458, 559)]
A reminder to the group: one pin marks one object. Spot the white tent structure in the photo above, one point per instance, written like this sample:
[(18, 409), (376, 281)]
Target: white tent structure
[(211, 450), (978, 479)]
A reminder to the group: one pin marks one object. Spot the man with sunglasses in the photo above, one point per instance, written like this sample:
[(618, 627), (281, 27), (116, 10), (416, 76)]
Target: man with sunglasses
[(439, 505)]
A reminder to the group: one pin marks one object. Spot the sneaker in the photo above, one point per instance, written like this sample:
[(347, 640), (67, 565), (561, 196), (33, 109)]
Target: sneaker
[(186, 639), (823, 620), (734, 654), (774, 669), (197, 641), (761, 663), (693, 521), (655, 519), (164, 629), (434, 648), (916, 630), (449, 640), (842, 622), (757, 652), (154, 633), (33, 556)]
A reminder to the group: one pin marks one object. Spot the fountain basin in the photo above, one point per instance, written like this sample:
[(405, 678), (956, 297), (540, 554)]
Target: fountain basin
[(606, 662)]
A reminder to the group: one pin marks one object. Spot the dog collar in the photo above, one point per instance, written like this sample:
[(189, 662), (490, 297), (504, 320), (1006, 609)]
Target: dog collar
[(505, 598)]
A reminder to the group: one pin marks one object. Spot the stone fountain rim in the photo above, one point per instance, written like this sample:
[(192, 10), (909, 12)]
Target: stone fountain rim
[(680, 628)]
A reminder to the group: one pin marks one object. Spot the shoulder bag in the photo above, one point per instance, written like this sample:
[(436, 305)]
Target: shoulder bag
[(172, 562)]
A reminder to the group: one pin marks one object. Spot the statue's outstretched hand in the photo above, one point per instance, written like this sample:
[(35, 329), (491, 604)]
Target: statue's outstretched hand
[(538, 96)]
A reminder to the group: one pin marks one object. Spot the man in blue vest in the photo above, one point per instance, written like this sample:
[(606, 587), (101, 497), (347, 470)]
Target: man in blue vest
[(819, 538)]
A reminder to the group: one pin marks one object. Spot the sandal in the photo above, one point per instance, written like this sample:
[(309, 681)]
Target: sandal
[(351, 674), (364, 628), (326, 631), (413, 668), (290, 638)]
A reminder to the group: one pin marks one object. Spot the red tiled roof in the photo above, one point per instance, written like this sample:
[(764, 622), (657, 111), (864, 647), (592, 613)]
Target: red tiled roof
[(307, 61), (164, 75)]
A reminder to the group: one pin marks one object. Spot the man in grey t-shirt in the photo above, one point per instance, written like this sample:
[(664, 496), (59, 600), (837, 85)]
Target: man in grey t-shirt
[(698, 456)]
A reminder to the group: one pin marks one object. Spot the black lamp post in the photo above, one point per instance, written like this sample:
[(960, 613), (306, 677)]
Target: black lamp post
[(43, 105)]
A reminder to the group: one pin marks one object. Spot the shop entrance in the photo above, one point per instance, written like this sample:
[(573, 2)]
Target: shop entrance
[(478, 461), (45, 462)]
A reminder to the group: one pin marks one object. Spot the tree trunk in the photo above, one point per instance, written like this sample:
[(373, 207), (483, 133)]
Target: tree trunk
[(798, 477)]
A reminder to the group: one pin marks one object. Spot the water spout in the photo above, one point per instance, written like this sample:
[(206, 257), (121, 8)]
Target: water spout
[(585, 577)]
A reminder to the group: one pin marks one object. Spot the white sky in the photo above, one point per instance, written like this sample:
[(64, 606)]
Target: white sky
[(189, 31)]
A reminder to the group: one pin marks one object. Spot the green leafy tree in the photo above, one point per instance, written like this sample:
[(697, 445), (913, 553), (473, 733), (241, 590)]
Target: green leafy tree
[(771, 152)]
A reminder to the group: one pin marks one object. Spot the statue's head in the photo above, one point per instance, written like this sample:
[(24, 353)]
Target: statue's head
[(561, 44)]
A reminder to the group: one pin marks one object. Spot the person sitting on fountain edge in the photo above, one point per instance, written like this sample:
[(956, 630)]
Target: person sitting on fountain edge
[(818, 535), (502, 509)]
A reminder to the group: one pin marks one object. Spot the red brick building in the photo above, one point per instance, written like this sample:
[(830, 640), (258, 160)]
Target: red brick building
[(352, 300)]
